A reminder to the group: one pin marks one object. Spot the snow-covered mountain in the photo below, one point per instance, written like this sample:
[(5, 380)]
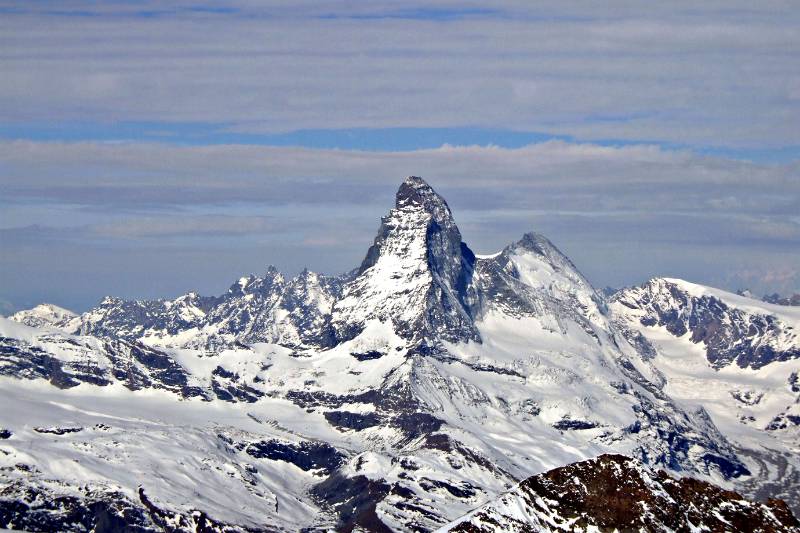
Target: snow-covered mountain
[(732, 329), (399, 396), (736, 357), (48, 315)]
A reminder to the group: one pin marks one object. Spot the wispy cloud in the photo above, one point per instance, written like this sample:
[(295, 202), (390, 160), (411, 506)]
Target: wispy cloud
[(157, 227), (716, 74), (575, 176)]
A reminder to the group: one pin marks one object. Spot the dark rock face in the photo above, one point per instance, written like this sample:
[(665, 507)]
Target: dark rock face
[(777, 299), (139, 366), (131, 363), (415, 424), (614, 492), (567, 424), (354, 500), (24, 361), (730, 335), (35, 511), (464, 490), (228, 386), (356, 421), (57, 430), (306, 455), (783, 421), (308, 400), (368, 356)]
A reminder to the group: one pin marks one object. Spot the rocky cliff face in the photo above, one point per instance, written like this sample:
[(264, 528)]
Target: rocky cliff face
[(293, 313), (396, 397), (748, 335)]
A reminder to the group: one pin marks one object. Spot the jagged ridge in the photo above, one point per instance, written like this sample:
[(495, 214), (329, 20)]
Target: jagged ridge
[(616, 493)]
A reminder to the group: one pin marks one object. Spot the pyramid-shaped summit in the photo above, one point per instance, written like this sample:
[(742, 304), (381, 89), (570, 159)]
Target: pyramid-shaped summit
[(415, 191), (415, 275)]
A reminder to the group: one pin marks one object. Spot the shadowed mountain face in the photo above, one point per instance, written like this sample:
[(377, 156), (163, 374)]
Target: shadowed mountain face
[(397, 397)]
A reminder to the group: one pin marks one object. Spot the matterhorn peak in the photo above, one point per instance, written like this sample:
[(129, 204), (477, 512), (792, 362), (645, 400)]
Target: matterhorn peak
[(415, 274), (415, 193)]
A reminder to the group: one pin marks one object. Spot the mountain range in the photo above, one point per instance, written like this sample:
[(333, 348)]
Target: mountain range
[(425, 388)]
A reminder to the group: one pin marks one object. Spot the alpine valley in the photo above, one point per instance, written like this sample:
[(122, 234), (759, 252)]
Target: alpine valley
[(428, 388)]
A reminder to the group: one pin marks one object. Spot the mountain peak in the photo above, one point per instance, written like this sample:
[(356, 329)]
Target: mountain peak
[(44, 314), (415, 274), (415, 193), (413, 183)]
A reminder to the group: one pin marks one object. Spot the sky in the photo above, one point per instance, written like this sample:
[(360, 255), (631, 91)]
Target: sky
[(152, 148)]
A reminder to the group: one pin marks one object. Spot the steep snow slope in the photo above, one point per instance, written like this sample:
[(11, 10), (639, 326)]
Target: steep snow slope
[(410, 391)]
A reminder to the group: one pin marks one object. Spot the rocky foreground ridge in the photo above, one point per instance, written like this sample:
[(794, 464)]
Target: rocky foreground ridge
[(616, 493)]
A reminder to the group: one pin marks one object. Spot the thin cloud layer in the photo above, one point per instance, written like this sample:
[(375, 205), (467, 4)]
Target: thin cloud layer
[(582, 177), (717, 74)]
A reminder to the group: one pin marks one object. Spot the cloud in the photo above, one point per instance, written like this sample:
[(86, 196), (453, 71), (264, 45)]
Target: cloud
[(783, 278), (576, 177), (716, 74), (207, 225)]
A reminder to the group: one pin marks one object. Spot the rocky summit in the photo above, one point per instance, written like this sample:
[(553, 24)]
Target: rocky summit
[(430, 387)]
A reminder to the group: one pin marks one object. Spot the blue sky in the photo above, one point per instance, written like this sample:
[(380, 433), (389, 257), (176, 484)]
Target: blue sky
[(151, 148)]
